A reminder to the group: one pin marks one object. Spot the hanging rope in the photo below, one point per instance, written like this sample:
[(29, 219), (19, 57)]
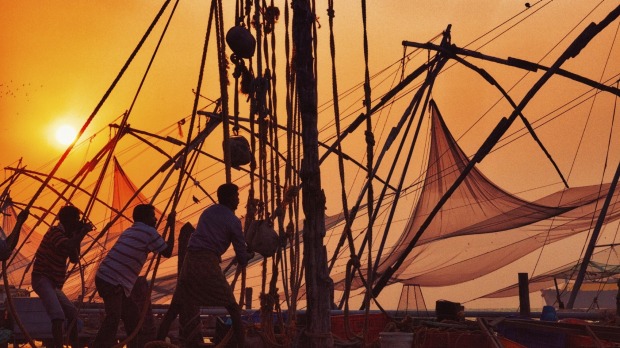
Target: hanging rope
[(370, 142), (119, 134), (82, 130), (222, 63), (89, 120), (278, 203), (291, 179), (332, 46), (182, 166), (99, 105)]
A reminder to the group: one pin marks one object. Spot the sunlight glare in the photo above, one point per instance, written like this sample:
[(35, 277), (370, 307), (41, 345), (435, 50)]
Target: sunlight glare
[(65, 134)]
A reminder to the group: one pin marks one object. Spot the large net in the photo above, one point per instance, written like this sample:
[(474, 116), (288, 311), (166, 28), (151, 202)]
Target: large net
[(481, 228)]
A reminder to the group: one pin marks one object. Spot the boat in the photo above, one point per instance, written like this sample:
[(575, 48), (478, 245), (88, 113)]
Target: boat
[(396, 212), (592, 295)]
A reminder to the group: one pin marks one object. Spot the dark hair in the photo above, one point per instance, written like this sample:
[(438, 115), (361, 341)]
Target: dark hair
[(226, 191), (68, 213), (141, 212)]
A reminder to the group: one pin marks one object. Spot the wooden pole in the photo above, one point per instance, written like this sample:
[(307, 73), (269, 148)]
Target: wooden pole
[(524, 295), (593, 238), (318, 283), (572, 51)]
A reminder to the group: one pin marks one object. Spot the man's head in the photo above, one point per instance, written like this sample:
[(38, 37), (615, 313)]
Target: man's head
[(228, 195), (69, 217), (145, 213)]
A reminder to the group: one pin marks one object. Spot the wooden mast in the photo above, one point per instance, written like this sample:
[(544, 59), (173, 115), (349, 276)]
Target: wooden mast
[(318, 282), (572, 51), (590, 250)]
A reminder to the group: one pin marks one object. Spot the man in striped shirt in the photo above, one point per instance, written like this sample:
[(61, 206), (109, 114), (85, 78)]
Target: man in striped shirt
[(49, 271), (120, 269)]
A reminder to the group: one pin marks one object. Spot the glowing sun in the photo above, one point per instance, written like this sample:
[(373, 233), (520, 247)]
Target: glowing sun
[(65, 134)]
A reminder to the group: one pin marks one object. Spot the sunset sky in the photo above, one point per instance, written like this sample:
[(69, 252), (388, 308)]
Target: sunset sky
[(58, 58)]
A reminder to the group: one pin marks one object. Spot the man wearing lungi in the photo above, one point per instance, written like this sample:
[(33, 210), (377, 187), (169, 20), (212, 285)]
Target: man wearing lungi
[(202, 282)]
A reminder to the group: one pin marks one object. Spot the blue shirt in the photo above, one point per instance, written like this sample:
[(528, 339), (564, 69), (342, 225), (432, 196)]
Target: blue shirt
[(217, 228)]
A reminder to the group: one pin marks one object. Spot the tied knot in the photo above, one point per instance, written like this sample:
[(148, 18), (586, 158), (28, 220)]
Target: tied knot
[(370, 138)]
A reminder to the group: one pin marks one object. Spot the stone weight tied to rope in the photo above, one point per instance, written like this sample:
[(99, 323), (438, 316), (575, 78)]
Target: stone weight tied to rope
[(262, 238), (240, 152), (241, 41)]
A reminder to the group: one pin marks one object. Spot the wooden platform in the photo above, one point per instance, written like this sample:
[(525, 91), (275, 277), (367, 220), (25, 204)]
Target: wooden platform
[(38, 325)]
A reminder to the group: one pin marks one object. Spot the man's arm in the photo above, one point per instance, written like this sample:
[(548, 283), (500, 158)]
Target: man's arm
[(240, 246), (13, 238), (73, 243)]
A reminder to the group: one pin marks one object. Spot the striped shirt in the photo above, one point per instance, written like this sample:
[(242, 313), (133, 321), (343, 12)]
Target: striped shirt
[(124, 262), (51, 256)]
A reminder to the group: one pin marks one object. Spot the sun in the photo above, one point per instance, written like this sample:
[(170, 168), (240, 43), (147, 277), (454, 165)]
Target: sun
[(65, 134)]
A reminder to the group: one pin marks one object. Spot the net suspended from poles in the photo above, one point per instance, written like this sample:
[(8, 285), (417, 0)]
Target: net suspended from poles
[(482, 227)]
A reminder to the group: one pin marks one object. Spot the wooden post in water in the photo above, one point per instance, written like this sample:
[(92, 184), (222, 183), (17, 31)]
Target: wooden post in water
[(524, 295), (317, 332)]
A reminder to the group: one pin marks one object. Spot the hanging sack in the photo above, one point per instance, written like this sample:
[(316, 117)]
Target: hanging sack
[(262, 238), (240, 153)]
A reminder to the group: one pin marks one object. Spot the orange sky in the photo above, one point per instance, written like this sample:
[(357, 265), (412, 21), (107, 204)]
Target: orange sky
[(57, 58)]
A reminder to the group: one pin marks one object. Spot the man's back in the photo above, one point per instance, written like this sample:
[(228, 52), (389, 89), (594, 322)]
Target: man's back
[(217, 228), (51, 256), (124, 261)]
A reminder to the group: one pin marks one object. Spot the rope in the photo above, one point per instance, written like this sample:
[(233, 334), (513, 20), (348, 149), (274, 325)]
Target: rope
[(155, 268), (61, 196), (579, 146), (81, 132), (99, 105), (263, 99), (170, 224), (370, 160), (352, 265), (199, 138), (296, 125), (89, 206), (117, 137), (222, 63), (345, 207), (271, 15), (13, 238)]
